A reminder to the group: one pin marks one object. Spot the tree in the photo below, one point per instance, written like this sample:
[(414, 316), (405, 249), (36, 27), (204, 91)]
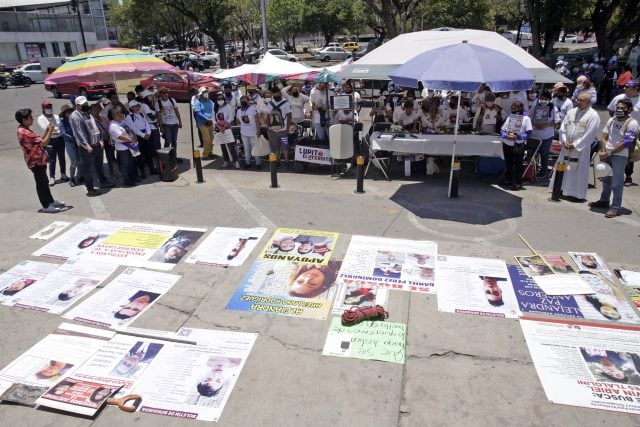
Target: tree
[(392, 16), (135, 28), (328, 17), (245, 16), (459, 14), (285, 19), (614, 20)]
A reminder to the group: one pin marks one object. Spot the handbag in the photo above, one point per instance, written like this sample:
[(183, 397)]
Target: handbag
[(261, 148)]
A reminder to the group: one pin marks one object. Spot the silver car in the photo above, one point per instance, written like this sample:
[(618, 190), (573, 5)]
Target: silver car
[(332, 53), (279, 53)]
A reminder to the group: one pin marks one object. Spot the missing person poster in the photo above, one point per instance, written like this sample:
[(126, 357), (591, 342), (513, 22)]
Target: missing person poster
[(26, 274), (590, 261), (300, 246), (477, 286), (606, 303), (226, 246), (56, 355), (137, 245), (354, 296), (586, 364), (124, 299), (78, 396), (370, 340), (557, 279), (287, 289), (394, 263), (63, 287)]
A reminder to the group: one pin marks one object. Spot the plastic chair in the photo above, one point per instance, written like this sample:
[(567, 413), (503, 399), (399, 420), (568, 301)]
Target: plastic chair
[(340, 144)]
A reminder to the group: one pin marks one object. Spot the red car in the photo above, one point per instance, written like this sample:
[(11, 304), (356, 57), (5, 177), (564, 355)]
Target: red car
[(88, 88), (179, 83)]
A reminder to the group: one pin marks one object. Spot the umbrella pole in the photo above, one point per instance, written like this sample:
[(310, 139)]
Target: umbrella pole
[(455, 139)]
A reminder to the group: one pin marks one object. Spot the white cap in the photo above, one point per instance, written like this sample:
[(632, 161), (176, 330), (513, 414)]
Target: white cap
[(201, 90), (146, 93), (81, 100), (603, 170), (133, 103)]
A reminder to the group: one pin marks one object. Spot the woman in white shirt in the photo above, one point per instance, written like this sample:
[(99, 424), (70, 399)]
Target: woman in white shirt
[(430, 118), (297, 100), (125, 141), (171, 120), (249, 119), (515, 132), (223, 134), (408, 119)]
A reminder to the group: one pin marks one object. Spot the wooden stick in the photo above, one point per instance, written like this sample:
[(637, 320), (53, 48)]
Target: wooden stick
[(527, 244)]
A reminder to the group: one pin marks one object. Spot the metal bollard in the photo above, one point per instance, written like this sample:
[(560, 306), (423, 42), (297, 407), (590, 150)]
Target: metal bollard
[(197, 162), (454, 179), (273, 167), (557, 182), (359, 174)]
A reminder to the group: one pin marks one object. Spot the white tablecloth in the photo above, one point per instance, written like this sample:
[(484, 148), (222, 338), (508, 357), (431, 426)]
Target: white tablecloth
[(441, 145)]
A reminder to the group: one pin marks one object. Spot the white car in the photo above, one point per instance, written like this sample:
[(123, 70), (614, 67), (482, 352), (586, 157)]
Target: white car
[(212, 57), (332, 44), (33, 71), (283, 55), (332, 53)]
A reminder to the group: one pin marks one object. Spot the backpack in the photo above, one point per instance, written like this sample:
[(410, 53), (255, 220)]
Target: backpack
[(276, 119)]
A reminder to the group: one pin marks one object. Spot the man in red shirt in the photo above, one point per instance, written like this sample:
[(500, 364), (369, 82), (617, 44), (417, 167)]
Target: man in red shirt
[(33, 147)]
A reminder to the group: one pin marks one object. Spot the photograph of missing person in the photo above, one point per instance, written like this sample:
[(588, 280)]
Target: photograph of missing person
[(235, 251), (52, 370), (388, 264), (559, 264), (587, 261), (421, 260), (90, 240), (136, 304), (80, 287), (18, 286), (100, 394), (612, 366), (176, 247), (61, 388), (221, 370), (312, 280), (534, 265), (137, 359), (301, 244), (492, 290), (358, 296)]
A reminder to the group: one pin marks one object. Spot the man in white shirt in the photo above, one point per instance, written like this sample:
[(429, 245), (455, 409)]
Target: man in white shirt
[(298, 100), (562, 101), (630, 92), (544, 116), (279, 110), (55, 149), (170, 120), (319, 110)]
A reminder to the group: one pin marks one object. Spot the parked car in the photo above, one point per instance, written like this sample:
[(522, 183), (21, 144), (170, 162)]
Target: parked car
[(33, 71), (178, 83), (351, 46), (279, 53), (212, 57), (88, 88), (177, 59), (332, 53)]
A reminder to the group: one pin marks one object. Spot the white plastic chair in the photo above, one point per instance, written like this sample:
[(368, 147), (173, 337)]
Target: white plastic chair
[(340, 143)]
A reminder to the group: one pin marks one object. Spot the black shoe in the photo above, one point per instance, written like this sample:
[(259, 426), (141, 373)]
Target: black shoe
[(599, 204), (179, 160), (106, 184), (130, 184), (628, 180), (154, 172), (92, 192), (514, 187), (72, 182), (246, 166)]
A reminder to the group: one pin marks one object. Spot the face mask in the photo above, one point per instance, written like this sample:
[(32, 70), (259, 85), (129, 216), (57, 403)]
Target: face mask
[(48, 110), (85, 108), (620, 113), (532, 96), (544, 102), (489, 104), (515, 111), (221, 102), (244, 103), (267, 99), (277, 98)]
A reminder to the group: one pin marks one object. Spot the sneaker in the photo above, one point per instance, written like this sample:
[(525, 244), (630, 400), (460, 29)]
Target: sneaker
[(91, 192), (612, 213), (237, 165), (50, 209), (64, 178), (599, 204), (58, 204), (628, 180), (226, 164), (52, 182)]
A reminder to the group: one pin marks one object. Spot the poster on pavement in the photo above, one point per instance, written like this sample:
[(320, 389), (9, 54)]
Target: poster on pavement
[(371, 340), (557, 279), (21, 277), (50, 230), (287, 288), (195, 381), (300, 246), (586, 364), (127, 296), (137, 245), (56, 355), (606, 303), (590, 261), (63, 287), (479, 286), (226, 246), (359, 296), (394, 263)]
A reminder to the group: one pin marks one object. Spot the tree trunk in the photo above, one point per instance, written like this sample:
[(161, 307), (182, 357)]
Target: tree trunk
[(293, 41), (219, 41), (534, 14)]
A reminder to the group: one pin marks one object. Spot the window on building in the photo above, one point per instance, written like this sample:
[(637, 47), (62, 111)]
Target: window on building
[(68, 51), (56, 49)]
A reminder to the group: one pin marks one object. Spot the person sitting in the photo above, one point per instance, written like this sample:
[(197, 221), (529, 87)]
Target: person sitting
[(409, 118), (450, 111), (431, 119), (488, 117)]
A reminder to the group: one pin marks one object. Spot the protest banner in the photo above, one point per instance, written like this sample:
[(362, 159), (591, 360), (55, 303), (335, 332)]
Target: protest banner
[(370, 340), (359, 296), (394, 263), (50, 230), (319, 156), (55, 356), (137, 245), (300, 246), (586, 364), (477, 286), (606, 303), (119, 303), (226, 246), (557, 279), (21, 277), (287, 289), (590, 261), (63, 287)]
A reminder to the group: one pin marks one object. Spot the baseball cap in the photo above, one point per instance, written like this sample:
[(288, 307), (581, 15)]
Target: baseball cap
[(81, 100), (632, 83), (133, 103), (46, 102), (201, 90), (65, 107)]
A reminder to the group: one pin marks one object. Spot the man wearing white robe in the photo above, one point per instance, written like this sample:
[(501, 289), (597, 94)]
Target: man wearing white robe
[(578, 130)]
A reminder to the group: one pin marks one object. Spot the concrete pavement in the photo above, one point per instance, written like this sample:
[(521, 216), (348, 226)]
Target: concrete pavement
[(460, 370)]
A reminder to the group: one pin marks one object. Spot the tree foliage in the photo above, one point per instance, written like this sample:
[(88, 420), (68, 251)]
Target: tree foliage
[(476, 14)]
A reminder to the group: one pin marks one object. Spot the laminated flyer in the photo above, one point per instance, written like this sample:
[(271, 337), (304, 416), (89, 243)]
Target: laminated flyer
[(226, 246), (20, 278), (300, 246)]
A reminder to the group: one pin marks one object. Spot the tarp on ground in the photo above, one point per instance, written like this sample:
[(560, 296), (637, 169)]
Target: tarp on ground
[(379, 63)]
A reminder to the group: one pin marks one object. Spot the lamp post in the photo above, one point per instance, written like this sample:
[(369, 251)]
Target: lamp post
[(263, 10), (76, 8)]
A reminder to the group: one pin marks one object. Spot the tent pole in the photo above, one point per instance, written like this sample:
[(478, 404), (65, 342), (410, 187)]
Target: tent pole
[(455, 140)]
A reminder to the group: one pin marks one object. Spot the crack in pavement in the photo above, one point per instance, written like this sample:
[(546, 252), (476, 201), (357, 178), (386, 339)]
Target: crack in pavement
[(170, 307), (453, 354), (217, 325), (288, 346)]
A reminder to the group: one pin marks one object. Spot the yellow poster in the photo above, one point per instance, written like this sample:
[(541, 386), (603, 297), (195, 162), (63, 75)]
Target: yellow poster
[(300, 246), (137, 239)]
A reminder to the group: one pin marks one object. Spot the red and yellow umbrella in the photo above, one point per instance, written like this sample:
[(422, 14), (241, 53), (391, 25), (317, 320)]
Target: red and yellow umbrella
[(109, 60)]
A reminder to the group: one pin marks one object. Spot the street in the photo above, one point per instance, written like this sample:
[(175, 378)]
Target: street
[(460, 369)]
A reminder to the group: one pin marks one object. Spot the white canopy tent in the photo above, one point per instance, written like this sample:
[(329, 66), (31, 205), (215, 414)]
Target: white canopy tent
[(379, 63), (258, 73)]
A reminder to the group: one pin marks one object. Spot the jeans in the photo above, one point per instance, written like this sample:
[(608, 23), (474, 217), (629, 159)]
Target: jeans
[(86, 166), (545, 147), (110, 154), (615, 182), (249, 141), (56, 152), (126, 166), (170, 136), (42, 185), (72, 152)]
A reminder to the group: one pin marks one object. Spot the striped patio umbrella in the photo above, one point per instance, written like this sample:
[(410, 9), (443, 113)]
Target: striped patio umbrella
[(107, 61)]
